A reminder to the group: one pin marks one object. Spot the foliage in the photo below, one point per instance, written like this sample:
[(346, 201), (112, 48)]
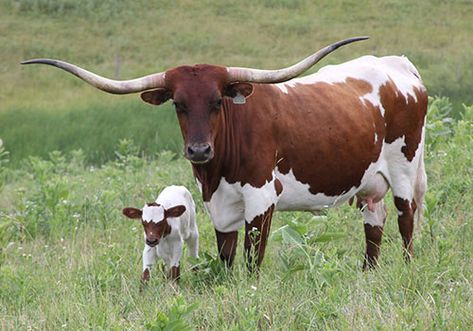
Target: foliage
[(174, 319)]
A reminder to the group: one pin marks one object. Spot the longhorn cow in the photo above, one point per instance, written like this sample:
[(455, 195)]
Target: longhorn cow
[(263, 140)]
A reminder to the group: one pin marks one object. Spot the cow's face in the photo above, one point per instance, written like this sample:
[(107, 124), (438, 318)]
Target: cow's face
[(198, 94), (154, 219)]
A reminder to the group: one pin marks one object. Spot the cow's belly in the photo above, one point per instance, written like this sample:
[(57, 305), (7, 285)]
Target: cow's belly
[(296, 195)]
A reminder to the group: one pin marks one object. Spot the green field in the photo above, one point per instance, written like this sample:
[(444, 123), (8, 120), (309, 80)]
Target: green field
[(69, 260), (145, 37), (73, 157)]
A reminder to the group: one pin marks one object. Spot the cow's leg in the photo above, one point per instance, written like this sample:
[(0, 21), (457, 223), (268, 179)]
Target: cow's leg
[(256, 237), (406, 209), (226, 245), (375, 218)]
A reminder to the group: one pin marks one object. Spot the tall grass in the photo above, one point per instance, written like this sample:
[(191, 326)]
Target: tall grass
[(69, 260)]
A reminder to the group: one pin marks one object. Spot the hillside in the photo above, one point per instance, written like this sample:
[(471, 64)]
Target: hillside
[(125, 39)]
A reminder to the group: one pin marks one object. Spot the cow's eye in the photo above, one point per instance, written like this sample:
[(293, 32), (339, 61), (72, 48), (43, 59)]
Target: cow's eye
[(217, 104)]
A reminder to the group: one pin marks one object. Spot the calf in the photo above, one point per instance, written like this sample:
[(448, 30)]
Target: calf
[(167, 222)]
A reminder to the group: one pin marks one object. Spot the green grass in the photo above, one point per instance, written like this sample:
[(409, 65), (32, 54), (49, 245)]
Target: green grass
[(69, 260), (148, 37), (94, 129)]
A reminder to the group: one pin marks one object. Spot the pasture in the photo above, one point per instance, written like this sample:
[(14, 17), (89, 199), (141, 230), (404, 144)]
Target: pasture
[(70, 260), (74, 157)]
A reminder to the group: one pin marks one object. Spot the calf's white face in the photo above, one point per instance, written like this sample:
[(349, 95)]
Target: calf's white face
[(154, 219)]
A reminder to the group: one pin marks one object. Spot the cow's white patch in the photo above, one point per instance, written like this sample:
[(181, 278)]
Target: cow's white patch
[(296, 195), (401, 172), (258, 199), (232, 204), (226, 207), (376, 71)]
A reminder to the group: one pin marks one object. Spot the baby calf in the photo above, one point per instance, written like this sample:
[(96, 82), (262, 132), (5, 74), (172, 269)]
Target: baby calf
[(167, 223)]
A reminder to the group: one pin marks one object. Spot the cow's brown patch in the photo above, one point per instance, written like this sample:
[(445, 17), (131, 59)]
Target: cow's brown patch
[(404, 117), (278, 187), (329, 138)]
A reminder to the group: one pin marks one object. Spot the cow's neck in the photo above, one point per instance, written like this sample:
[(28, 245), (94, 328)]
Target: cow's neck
[(226, 160)]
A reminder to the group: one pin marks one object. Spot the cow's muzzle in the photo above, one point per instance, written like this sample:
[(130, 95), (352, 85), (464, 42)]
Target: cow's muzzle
[(199, 153)]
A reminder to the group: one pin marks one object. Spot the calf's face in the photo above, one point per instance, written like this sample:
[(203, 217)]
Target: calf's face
[(154, 219)]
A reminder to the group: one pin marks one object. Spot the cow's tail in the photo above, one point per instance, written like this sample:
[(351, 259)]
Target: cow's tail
[(419, 192)]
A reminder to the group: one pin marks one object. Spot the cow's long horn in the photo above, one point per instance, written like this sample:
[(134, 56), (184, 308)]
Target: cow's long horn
[(281, 75), (108, 85)]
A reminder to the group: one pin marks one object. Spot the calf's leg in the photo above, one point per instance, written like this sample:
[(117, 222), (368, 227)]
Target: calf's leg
[(149, 259)]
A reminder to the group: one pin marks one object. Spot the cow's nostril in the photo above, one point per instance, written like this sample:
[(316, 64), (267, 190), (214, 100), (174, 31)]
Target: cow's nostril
[(207, 149), (190, 150)]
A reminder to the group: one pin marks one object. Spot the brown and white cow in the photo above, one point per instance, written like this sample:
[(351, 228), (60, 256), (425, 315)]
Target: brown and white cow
[(261, 141)]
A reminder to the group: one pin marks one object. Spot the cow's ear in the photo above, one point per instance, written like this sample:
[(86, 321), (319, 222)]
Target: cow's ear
[(236, 89), (132, 213), (174, 211), (156, 97)]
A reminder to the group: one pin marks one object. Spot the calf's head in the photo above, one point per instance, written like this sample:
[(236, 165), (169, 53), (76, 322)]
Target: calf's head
[(154, 218), (198, 92)]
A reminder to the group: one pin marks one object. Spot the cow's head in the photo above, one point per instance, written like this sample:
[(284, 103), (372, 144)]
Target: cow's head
[(154, 218), (197, 92)]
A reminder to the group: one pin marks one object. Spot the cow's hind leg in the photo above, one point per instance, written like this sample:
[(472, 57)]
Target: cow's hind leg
[(375, 217), (256, 237), (370, 201), (406, 209)]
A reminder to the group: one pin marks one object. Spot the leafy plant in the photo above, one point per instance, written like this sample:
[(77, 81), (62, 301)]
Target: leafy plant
[(175, 318)]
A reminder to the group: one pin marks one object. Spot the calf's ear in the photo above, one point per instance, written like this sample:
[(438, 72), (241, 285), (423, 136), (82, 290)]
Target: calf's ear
[(156, 97), (174, 211), (132, 213)]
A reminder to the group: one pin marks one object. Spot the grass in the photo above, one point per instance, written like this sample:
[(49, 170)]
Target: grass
[(126, 39), (69, 260)]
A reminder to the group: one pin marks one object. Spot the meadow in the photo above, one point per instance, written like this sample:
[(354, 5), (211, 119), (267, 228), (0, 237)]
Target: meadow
[(70, 260), (73, 157)]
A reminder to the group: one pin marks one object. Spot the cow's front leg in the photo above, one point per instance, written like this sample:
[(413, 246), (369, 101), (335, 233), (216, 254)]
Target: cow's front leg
[(256, 237), (149, 259), (226, 245)]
